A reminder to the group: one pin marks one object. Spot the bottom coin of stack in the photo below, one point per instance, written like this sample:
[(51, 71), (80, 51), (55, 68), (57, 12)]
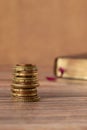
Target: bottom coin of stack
[(25, 83)]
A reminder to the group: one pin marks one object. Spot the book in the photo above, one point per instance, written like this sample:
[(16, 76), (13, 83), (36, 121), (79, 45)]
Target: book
[(71, 67)]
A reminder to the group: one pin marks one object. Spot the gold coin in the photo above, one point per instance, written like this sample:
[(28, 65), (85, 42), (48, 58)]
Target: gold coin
[(26, 78), (25, 74), (29, 84), (25, 67), (25, 99), (24, 90), (25, 82), (15, 87), (23, 94), (20, 79), (25, 86)]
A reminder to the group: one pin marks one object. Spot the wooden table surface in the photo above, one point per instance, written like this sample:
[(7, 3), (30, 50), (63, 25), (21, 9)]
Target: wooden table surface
[(63, 105)]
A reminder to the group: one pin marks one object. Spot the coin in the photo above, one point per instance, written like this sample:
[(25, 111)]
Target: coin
[(24, 91), (25, 82), (25, 74), (25, 67), (25, 85), (25, 99), (23, 94), (24, 79)]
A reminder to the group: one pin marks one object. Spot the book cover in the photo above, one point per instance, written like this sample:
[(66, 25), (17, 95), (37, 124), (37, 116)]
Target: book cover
[(71, 67)]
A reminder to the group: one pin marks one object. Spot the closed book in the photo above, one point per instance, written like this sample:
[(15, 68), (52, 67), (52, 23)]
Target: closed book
[(71, 67)]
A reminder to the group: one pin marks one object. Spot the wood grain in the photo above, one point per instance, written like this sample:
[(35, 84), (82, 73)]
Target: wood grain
[(63, 106)]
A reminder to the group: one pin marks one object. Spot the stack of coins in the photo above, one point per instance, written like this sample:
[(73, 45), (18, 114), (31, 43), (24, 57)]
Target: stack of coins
[(25, 83)]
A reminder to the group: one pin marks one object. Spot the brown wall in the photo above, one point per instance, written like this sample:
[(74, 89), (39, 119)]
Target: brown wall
[(36, 31)]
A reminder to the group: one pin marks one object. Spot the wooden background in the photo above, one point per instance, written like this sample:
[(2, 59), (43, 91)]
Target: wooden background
[(62, 105), (39, 30)]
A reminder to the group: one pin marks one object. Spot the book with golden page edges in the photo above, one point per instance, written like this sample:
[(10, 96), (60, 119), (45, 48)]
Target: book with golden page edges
[(71, 68)]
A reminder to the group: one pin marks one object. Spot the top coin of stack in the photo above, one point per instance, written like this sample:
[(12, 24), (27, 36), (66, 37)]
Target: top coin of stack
[(24, 83)]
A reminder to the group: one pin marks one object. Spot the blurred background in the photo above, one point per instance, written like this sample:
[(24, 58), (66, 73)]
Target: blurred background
[(37, 31)]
